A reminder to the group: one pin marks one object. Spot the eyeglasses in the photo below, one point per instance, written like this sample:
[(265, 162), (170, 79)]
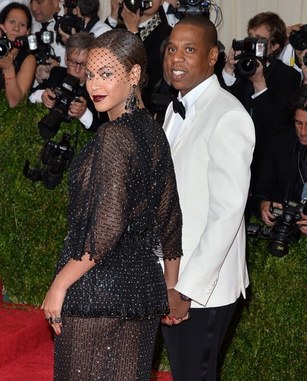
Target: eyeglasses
[(74, 64)]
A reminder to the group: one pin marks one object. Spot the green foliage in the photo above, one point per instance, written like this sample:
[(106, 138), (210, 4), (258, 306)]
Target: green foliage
[(268, 337), (33, 218)]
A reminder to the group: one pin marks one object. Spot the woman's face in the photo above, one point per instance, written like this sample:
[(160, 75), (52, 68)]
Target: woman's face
[(16, 24), (108, 83)]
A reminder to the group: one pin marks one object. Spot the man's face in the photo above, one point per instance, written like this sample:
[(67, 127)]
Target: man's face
[(188, 59), (263, 31), (43, 10), (300, 121), (76, 64)]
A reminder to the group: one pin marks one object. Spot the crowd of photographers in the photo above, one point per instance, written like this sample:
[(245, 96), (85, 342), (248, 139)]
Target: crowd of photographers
[(43, 53)]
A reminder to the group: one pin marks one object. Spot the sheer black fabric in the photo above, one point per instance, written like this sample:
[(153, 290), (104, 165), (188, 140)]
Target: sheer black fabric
[(124, 210), (104, 349)]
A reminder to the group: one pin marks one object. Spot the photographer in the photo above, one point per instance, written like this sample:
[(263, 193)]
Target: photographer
[(295, 52), (265, 93), (150, 24), (43, 12), (17, 66), (76, 59), (283, 169)]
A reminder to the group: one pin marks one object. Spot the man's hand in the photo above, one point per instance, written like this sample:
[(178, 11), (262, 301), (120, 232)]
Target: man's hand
[(132, 20), (77, 108), (179, 309), (267, 216), (115, 5), (231, 62), (48, 98), (303, 223)]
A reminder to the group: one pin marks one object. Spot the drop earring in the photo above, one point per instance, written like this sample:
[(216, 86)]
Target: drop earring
[(131, 100)]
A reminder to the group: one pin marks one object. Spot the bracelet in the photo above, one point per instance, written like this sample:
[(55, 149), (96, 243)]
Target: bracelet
[(14, 76)]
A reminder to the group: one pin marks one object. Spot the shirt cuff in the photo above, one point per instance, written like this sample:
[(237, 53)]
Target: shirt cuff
[(259, 93), (229, 79), (87, 119), (36, 97)]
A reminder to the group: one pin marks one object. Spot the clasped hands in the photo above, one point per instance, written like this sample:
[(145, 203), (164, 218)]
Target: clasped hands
[(179, 309)]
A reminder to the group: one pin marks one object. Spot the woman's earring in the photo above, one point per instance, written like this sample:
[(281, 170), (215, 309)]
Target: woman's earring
[(131, 100)]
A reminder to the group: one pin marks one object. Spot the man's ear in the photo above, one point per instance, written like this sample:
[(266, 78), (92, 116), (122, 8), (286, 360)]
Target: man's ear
[(213, 55)]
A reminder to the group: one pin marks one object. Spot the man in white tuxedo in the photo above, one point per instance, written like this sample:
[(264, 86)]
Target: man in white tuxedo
[(212, 148)]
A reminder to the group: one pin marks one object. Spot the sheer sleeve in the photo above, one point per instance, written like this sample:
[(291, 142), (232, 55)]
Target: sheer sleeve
[(169, 214), (102, 194)]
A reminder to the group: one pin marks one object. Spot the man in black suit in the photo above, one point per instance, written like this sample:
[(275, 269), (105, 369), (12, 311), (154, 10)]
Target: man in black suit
[(152, 27), (265, 94), (283, 167), (76, 58)]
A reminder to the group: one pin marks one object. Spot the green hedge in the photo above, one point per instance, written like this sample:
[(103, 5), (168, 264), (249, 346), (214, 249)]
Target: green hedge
[(268, 338)]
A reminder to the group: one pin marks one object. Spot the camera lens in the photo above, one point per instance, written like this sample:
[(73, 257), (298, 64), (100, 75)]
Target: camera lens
[(246, 66)]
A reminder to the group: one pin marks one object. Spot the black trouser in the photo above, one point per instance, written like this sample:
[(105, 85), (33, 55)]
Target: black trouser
[(193, 345)]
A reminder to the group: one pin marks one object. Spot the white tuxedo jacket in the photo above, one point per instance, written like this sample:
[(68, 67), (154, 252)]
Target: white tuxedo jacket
[(212, 158)]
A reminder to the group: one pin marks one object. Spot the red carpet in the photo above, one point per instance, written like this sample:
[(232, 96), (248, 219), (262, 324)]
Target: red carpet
[(26, 346)]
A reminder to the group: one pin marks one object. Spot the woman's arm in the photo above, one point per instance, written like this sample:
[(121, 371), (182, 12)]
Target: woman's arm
[(17, 84)]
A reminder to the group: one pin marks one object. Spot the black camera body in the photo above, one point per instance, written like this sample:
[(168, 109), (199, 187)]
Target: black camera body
[(5, 46), (251, 49), (285, 231), (135, 5), (68, 21), (193, 7), (298, 39), (69, 90), (56, 158)]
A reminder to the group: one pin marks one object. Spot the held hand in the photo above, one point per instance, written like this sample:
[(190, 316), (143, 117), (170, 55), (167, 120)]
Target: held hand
[(77, 108), (178, 307), (167, 320), (52, 306), (48, 98)]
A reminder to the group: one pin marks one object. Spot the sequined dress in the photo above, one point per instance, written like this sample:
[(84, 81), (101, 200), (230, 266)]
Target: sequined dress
[(124, 210)]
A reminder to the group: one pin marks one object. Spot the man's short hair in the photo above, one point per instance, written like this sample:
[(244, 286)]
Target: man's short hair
[(88, 8), (203, 22), (298, 100), (79, 41)]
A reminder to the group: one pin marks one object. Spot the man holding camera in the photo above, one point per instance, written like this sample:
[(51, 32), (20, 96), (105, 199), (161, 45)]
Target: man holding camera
[(43, 12), (283, 168), (265, 93), (82, 107)]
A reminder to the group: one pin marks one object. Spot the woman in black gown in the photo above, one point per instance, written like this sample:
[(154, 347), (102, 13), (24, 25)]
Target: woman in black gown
[(109, 292)]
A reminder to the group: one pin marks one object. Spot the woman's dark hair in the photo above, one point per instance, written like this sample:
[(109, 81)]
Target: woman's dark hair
[(88, 8), (127, 48), (275, 25), (6, 10)]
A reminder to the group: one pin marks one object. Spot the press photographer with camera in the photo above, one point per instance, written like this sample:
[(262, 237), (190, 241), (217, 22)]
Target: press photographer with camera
[(281, 190), (79, 106), (43, 12), (87, 10), (295, 52), (17, 65), (146, 19), (264, 83)]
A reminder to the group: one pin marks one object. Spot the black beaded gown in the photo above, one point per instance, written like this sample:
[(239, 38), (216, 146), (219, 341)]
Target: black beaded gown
[(124, 211)]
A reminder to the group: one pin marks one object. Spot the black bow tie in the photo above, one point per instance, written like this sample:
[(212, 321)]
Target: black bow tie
[(179, 107)]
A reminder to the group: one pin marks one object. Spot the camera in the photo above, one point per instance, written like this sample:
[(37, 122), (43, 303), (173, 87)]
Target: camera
[(285, 231), (251, 49), (68, 21), (298, 39), (64, 95), (5, 46), (56, 158), (135, 5), (193, 7)]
